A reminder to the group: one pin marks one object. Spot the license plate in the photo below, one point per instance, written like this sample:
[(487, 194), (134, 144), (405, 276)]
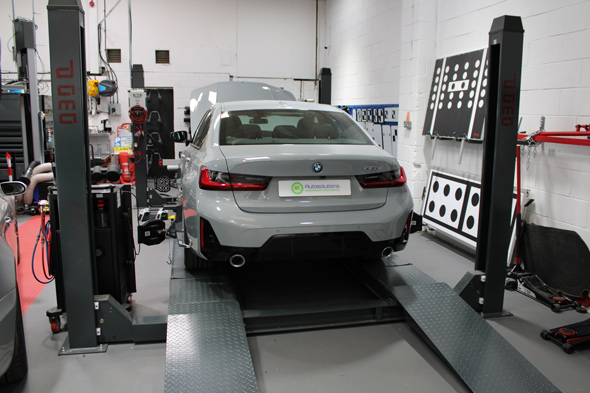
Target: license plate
[(306, 188)]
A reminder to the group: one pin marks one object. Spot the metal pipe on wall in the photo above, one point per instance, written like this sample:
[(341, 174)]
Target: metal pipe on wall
[(130, 42), (106, 14), (316, 77)]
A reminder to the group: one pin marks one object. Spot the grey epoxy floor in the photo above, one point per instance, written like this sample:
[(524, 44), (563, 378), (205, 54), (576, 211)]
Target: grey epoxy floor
[(379, 358)]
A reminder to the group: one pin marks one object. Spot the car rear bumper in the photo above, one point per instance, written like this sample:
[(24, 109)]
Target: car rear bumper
[(314, 246), (332, 233)]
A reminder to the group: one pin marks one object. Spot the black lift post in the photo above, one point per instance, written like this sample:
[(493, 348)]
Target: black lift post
[(139, 142), (495, 214), (68, 85), (325, 86), (85, 306)]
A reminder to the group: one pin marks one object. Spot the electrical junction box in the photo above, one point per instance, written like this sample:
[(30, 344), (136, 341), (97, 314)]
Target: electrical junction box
[(24, 34), (136, 97), (115, 109)]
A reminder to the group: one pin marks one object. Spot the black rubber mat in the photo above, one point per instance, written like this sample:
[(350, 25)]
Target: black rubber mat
[(559, 257)]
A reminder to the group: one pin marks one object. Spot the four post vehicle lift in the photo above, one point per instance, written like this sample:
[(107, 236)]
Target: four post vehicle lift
[(211, 312)]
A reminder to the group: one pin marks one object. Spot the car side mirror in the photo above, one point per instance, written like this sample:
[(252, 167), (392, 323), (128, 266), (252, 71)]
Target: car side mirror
[(11, 188), (179, 136)]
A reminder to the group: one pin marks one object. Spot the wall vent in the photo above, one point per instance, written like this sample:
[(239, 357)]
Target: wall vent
[(114, 55), (162, 57)]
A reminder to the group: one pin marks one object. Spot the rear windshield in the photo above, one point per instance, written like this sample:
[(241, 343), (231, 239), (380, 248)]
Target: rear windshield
[(289, 126)]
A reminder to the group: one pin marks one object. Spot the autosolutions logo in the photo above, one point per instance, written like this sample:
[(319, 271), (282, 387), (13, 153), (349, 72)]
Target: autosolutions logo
[(297, 188)]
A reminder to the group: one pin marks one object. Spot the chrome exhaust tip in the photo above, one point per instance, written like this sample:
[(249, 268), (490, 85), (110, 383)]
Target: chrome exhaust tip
[(237, 260), (387, 252)]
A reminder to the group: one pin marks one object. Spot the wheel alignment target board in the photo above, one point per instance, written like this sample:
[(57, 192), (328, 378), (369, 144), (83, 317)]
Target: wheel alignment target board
[(458, 96), (451, 205)]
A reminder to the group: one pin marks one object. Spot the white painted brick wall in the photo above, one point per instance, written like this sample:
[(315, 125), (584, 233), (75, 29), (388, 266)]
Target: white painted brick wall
[(555, 84), (417, 60), (363, 50), (585, 78), (208, 42), (565, 210)]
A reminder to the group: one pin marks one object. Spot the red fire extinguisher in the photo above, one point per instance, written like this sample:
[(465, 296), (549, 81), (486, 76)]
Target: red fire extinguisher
[(127, 167)]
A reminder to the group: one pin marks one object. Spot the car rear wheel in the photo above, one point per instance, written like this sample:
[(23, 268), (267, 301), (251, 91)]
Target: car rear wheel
[(19, 366), (193, 261)]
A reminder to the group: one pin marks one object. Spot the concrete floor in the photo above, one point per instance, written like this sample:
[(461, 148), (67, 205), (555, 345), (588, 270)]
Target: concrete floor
[(378, 358)]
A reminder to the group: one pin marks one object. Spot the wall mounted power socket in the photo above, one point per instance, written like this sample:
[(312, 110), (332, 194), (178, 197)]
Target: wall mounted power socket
[(115, 109)]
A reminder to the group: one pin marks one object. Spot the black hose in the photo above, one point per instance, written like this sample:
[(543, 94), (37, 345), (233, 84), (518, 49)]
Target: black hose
[(26, 177), (32, 166)]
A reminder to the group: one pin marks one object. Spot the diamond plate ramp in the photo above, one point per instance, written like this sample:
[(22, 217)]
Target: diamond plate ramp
[(206, 345), (392, 276), (479, 355)]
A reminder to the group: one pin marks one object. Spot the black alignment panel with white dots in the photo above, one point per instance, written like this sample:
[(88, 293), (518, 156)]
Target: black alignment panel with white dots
[(457, 100), (451, 205)]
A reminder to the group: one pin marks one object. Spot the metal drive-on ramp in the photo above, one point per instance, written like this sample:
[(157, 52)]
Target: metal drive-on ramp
[(477, 353), (207, 348)]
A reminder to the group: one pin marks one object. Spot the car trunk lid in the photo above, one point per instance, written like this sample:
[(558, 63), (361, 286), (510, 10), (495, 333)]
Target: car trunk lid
[(309, 178)]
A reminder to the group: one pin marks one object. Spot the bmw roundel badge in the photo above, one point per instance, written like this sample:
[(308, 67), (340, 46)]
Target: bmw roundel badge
[(317, 167)]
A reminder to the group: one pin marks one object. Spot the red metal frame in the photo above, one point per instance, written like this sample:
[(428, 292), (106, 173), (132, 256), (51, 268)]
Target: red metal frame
[(563, 137)]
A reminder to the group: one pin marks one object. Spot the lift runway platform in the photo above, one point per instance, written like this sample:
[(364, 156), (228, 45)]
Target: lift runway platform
[(212, 312)]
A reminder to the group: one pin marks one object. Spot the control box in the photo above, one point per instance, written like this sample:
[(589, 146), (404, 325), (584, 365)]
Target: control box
[(137, 97)]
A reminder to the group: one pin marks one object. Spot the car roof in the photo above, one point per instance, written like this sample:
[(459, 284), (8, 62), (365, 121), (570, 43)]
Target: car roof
[(272, 104), (238, 91)]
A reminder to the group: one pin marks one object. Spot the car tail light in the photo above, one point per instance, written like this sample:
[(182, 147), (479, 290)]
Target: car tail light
[(213, 180), (395, 178)]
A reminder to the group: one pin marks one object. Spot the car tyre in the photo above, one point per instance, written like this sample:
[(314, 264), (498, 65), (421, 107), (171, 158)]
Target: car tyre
[(19, 366), (192, 261)]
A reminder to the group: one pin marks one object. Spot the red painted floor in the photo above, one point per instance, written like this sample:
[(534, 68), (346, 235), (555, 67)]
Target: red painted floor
[(29, 287)]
